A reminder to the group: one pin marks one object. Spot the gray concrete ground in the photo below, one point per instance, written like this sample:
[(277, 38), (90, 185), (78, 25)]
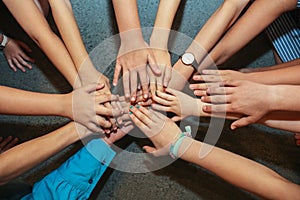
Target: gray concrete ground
[(273, 148)]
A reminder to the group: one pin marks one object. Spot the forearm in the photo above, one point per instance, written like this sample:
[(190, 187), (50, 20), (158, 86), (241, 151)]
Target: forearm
[(251, 176), (215, 27), (67, 26), (163, 23), (128, 20), (284, 98), (25, 156), (260, 14), (282, 75), (288, 121), (43, 36), (20, 102)]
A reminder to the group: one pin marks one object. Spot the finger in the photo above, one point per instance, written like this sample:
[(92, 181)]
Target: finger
[(5, 142), (149, 149), (102, 110), (297, 136), (216, 108), (139, 123), (117, 73), (161, 108), (167, 76), (94, 128), (243, 122), (200, 93), (160, 100), (93, 87), (133, 84), (126, 84), (203, 86), (26, 57), (12, 66), (169, 97), (16, 62), (103, 98), (212, 72), (24, 63), (145, 83), (111, 120), (101, 121), (176, 118), (144, 111), (234, 83), (153, 65), (11, 144), (219, 90), (141, 116), (211, 78), (216, 99)]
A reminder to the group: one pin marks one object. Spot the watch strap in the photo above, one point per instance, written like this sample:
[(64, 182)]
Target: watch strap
[(4, 41)]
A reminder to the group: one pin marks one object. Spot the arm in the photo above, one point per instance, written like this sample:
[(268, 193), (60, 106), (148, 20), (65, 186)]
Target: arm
[(211, 33), (260, 14), (81, 105), (251, 176), (134, 53), (25, 156), (159, 41), (36, 26)]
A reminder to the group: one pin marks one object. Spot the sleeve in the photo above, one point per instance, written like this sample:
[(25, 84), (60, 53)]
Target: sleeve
[(77, 177), (298, 4)]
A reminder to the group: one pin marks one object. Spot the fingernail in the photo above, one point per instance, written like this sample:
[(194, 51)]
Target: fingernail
[(145, 96), (132, 99), (131, 107), (138, 106), (130, 113)]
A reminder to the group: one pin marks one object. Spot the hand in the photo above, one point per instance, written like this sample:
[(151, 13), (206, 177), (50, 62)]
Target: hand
[(243, 97), (88, 108), (164, 62), (15, 55), (176, 102), (120, 133), (212, 78), (160, 129), (8, 143), (132, 59)]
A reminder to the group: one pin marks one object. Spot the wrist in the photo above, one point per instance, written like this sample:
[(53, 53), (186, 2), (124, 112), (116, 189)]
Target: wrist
[(274, 99), (65, 105), (132, 37), (160, 38)]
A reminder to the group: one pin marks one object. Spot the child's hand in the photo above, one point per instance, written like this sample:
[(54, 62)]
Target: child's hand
[(160, 129), (15, 55), (88, 108), (133, 59), (176, 102)]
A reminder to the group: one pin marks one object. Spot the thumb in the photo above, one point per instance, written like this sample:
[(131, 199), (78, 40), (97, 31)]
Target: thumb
[(24, 46), (244, 121)]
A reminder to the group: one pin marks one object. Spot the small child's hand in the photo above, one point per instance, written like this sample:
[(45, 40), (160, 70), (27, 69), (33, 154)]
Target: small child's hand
[(15, 55), (176, 102)]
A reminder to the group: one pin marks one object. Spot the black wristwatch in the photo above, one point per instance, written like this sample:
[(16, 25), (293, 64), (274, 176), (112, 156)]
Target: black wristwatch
[(4, 42), (189, 59)]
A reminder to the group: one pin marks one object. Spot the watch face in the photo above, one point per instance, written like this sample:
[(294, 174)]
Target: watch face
[(188, 58)]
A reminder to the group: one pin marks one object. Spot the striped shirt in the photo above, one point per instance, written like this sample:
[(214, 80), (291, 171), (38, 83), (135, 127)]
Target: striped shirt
[(285, 35)]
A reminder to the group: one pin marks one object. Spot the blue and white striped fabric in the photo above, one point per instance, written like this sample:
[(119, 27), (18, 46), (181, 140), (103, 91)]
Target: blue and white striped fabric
[(285, 36), (298, 4)]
